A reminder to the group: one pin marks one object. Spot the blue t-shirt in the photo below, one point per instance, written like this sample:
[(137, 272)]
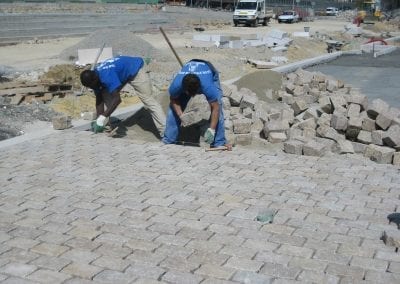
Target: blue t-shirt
[(116, 72), (209, 81)]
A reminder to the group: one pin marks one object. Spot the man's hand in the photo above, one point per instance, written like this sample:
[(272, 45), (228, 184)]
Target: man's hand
[(98, 125), (101, 120), (209, 135)]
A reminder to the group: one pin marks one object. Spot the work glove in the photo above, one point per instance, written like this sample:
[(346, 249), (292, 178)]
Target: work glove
[(99, 124), (209, 136)]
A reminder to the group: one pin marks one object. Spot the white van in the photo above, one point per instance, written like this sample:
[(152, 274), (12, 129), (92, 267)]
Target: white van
[(331, 11), (251, 12)]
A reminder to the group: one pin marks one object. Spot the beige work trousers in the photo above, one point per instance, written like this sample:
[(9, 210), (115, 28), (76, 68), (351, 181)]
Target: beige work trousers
[(143, 88)]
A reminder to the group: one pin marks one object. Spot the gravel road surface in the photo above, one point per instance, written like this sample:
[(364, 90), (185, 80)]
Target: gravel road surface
[(72, 21)]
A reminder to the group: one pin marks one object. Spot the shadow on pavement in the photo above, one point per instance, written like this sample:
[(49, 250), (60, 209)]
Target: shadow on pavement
[(138, 126)]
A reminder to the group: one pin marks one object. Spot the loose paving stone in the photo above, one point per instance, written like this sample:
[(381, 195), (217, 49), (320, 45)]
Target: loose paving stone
[(62, 122), (215, 271), (18, 269), (271, 257), (111, 276), (48, 276), (16, 280), (244, 264), (369, 264), (173, 276), (251, 277), (345, 270), (148, 281), (217, 281), (21, 243), (175, 215), (145, 271), (145, 257), (111, 263), (280, 271), (315, 277), (81, 270), (178, 263), (381, 277)]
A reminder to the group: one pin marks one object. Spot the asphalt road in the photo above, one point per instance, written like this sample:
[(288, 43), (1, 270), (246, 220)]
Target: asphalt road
[(14, 27), (375, 77), (23, 26)]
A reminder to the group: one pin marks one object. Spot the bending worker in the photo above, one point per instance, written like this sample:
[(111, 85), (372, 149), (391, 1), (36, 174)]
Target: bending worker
[(196, 77), (107, 80)]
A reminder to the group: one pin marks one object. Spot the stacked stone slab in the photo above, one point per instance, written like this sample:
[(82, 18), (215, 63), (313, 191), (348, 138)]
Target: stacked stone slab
[(314, 114)]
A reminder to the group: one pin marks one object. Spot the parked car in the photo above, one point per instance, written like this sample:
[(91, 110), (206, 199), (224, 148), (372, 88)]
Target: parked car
[(288, 17), (331, 11)]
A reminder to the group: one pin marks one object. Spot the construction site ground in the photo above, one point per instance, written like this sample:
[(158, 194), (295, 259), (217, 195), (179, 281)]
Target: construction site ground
[(53, 60), (79, 207)]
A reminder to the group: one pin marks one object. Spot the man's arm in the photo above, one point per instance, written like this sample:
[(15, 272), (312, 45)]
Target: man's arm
[(115, 101), (214, 114), (176, 106), (99, 104)]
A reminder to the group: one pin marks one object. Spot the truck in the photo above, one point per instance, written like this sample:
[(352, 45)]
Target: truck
[(251, 13)]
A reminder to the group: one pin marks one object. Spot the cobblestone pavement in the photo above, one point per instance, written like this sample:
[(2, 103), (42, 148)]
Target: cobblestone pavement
[(77, 208)]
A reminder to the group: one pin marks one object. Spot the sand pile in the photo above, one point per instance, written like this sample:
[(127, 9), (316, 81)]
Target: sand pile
[(123, 42)]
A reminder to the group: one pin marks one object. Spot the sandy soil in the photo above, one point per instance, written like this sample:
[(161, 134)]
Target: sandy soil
[(39, 55), (33, 58), (35, 55)]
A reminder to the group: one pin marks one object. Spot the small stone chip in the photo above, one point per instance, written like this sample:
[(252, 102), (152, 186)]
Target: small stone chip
[(266, 216)]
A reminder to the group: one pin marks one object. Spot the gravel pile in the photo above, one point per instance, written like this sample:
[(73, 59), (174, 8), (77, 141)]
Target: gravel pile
[(14, 118), (123, 42)]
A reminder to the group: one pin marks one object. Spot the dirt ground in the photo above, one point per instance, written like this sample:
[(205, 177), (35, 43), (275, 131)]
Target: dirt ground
[(40, 60)]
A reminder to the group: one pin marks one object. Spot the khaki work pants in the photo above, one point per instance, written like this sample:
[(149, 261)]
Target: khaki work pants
[(141, 84)]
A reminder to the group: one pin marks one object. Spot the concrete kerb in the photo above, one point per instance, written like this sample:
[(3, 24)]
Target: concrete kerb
[(291, 67), (393, 40), (27, 137), (312, 61), (387, 50), (79, 124)]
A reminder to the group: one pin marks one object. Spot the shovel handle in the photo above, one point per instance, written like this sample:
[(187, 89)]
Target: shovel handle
[(223, 148), (170, 46), (97, 57)]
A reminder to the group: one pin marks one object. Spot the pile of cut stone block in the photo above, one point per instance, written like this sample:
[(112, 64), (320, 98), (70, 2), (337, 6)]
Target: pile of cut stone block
[(314, 114), (275, 39)]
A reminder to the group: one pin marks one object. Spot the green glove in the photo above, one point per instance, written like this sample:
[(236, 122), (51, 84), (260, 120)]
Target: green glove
[(209, 136), (97, 128)]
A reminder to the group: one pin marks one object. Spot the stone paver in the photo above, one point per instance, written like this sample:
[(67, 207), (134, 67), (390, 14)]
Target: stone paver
[(82, 208)]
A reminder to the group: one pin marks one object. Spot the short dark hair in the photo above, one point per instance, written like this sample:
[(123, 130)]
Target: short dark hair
[(89, 78), (191, 84)]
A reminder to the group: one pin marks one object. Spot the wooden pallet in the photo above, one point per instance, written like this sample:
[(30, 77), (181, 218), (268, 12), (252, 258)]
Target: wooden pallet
[(28, 93)]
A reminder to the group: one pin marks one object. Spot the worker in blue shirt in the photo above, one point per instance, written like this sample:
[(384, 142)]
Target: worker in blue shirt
[(109, 77), (196, 77)]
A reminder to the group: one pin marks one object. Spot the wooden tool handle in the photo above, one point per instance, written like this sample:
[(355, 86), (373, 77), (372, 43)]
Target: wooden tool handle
[(170, 46), (223, 148)]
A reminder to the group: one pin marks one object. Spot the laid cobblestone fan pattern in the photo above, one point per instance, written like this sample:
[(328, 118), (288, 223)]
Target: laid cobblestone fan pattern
[(82, 208)]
